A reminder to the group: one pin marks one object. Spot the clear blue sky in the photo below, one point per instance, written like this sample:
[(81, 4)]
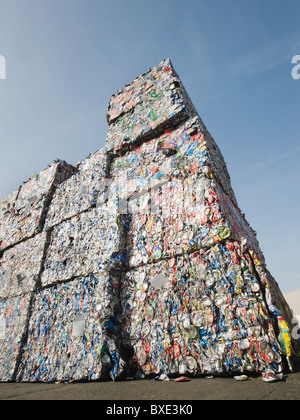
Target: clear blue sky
[(64, 58)]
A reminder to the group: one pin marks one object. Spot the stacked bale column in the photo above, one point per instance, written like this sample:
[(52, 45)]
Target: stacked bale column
[(73, 331), (22, 251), (196, 296)]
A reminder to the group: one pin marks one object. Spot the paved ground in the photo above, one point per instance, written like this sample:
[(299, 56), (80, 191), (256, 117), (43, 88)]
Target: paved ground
[(150, 390)]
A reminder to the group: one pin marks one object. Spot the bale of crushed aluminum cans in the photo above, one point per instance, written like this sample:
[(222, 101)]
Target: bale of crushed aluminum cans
[(200, 313), (81, 245), (20, 267), (179, 216), (6, 216), (83, 190), (177, 152), (176, 202), (160, 227), (30, 206), (154, 101), (14, 316), (73, 332), (183, 151)]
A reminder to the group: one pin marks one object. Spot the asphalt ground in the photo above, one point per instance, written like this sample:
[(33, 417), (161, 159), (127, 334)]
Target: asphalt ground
[(147, 392)]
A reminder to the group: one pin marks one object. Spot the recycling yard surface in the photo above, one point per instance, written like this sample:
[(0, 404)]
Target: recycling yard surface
[(150, 391)]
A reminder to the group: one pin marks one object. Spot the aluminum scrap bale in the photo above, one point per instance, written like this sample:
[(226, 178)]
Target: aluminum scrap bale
[(177, 152), (81, 245), (239, 226), (31, 204), (7, 206), (81, 191), (73, 332), (200, 313), (14, 314), (20, 266), (151, 103), (177, 203), (174, 219), (181, 215)]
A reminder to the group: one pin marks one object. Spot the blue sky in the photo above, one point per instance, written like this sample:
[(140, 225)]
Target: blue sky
[(64, 59)]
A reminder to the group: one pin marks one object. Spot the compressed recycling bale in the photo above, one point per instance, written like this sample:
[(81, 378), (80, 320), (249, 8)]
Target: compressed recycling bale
[(81, 191), (183, 151), (31, 204), (176, 200), (177, 152), (20, 266), (14, 314), (202, 313), (180, 216), (166, 222), (81, 245), (135, 116), (151, 103), (6, 214), (73, 332), (240, 228)]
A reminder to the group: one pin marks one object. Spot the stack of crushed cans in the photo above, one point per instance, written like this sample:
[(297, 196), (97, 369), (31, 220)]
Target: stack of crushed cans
[(138, 260)]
